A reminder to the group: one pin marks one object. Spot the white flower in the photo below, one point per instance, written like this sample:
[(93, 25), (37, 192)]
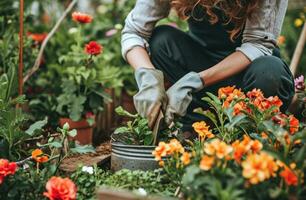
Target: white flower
[(88, 170), (142, 192), (72, 30)]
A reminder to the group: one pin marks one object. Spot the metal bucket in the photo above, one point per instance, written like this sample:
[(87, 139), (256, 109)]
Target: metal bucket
[(132, 157)]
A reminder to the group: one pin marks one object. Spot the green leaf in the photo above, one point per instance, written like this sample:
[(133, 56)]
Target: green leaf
[(120, 111), (55, 144), (77, 108), (83, 149), (121, 130), (72, 133), (36, 126)]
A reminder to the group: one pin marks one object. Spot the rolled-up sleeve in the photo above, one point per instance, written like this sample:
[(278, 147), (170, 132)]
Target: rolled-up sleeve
[(263, 28), (140, 23)]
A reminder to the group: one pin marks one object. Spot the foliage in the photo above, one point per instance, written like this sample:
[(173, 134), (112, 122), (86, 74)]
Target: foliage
[(135, 132), (87, 180), (254, 151), (30, 179), (153, 182), (12, 120)]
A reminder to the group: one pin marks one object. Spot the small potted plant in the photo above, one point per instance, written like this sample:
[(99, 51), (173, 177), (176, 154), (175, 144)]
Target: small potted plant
[(83, 92), (134, 142)]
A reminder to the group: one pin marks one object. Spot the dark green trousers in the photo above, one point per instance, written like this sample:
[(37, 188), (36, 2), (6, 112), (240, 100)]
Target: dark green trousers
[(176, 53)]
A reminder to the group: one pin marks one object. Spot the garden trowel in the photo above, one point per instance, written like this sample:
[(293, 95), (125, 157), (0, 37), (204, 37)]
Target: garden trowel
[(157, 126)]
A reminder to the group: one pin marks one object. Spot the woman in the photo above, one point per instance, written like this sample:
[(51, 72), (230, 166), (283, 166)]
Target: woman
[(229, 42)]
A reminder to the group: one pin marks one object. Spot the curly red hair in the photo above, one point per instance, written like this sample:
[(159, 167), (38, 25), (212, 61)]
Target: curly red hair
[(236, 11)]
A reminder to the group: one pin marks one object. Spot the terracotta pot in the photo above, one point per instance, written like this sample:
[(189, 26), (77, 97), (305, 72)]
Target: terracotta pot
[(84, 130)]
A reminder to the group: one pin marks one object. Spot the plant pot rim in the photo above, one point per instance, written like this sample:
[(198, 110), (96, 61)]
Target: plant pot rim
[(119, 144), (75, 124)]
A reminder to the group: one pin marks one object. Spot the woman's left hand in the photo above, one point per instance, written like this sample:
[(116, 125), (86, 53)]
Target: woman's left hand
[(180, 95)]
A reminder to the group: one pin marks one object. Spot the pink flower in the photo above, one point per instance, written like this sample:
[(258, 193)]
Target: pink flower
[(111, 32), (299, 83)]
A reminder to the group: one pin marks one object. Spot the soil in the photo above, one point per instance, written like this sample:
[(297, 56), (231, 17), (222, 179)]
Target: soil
[(101, 157)]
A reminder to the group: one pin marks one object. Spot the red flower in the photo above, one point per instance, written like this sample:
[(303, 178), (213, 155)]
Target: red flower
[(89, 115), (60, 189), (6, 168), (81, 17), (93, 48), (38, 37), (294, 124), (289, 176)]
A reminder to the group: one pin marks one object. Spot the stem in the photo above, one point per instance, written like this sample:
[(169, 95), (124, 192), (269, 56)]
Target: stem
[(44, 44)]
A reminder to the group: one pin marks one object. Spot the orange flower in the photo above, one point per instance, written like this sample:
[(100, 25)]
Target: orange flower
[(185, 158), (207, 162), (38, 156), (264, 135), (218, 148), (259, 167), (238, 107), (281, 40), (256, 146), (38, 37), (161, 163), (275, 101), (255, 94), (202, 129), (244, 147), (161, 150), (225, 91), (294, 124), (289, 176), (6, 168), (60, 189), (81, 17), (175, 147), (93, 48)]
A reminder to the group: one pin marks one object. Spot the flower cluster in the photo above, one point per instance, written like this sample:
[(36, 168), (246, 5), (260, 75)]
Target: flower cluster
[(174, 147), (241, 100), (246, 146), (214, 151), (6, 168), (259, 167), (203, 130), (60, 189)]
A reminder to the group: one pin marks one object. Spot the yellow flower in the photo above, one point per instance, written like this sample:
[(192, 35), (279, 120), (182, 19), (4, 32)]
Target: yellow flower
[(298, 22), (207, 162), (185, 158), (202, 129)]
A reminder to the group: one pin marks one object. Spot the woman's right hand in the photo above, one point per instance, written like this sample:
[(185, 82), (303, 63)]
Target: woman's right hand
[(151, 97)]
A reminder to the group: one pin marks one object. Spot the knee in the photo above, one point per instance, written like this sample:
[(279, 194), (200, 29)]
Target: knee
[(161, 38), (272, 76), (265, 73)]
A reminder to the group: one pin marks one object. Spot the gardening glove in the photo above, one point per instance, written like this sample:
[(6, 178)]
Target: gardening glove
[(151, 98), (180, 95)]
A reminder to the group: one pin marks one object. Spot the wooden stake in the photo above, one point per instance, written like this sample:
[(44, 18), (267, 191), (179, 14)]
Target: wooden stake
[(298, 51), (20, 67)]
